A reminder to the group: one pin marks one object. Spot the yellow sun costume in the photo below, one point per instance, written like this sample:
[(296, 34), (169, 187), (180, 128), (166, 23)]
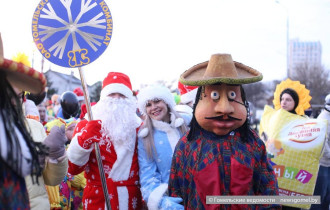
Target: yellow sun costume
[(294, 143), (303, 94)]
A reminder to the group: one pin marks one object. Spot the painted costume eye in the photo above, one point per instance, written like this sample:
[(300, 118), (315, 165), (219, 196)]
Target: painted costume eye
[(231, 95), (215, 95)]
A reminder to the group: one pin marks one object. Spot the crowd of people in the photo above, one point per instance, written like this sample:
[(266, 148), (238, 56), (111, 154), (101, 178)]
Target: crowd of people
[(155, 153)]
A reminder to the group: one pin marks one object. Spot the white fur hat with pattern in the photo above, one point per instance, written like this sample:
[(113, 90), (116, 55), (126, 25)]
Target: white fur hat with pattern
[(159, 92), (153, 92)]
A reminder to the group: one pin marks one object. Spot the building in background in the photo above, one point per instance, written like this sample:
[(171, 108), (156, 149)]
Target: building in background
[(65, 82), (300, 53)]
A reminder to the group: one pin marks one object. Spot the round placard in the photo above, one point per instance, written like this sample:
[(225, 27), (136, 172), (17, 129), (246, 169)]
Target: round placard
[(72, 33)]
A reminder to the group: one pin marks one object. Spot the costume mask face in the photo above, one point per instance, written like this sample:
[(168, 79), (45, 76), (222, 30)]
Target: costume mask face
[(218, 111)]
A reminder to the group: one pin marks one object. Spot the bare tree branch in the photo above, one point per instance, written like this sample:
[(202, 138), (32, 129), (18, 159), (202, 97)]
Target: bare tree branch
[(316, 79)]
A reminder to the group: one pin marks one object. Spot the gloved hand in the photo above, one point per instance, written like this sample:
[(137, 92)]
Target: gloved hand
[(90, 134), (69, 130), (171, 203), (55, 141)]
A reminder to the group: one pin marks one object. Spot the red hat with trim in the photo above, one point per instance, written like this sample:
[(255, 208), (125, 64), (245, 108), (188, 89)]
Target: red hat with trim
[(83, 109), (79, 93), (188, 93), (116, 82)]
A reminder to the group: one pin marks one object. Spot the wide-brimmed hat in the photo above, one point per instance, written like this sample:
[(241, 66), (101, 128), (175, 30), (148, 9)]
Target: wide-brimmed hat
[(220, 69), (22, 76)]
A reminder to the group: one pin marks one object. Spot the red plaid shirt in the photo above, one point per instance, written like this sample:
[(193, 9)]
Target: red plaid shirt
[(221, 165)]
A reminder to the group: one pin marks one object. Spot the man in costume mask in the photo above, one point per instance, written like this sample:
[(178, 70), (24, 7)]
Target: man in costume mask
[(221, 154)]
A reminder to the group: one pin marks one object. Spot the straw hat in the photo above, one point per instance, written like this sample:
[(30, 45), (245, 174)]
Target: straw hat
[(220, 69), (22, 76)]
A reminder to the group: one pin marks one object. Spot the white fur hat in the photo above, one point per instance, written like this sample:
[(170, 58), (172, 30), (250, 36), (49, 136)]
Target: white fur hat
[(153, 92)]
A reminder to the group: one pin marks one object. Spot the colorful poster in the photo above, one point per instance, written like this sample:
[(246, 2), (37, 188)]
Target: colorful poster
[(294, 145)]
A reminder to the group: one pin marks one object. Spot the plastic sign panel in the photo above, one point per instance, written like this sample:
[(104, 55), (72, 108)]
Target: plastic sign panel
[(72, 33), (294, 145)]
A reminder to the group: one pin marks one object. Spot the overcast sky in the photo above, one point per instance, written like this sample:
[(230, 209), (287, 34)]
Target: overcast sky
[(158, 40)]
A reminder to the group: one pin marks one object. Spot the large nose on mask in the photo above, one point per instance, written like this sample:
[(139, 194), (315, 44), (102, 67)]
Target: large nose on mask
[(224, 106)]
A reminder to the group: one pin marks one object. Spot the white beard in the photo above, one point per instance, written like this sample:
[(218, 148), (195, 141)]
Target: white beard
[(119, 120)]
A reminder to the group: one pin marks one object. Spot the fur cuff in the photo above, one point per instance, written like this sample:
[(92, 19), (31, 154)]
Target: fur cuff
[(123, 198), (156, 196), (76, 154), (143, 133), (116, 88), (178, 122)]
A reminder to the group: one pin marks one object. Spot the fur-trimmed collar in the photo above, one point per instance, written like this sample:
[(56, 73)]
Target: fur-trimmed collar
[(164, 126)]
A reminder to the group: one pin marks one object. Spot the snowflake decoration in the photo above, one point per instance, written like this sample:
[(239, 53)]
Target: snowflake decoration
[(105, 142), (86, 203), (71, 27), (134, 203), (131, 174), (102, 142), (87, 169), (107, 169), (73, 31)]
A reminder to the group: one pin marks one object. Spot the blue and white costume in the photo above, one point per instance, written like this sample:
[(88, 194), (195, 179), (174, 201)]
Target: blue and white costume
[(154, 173)]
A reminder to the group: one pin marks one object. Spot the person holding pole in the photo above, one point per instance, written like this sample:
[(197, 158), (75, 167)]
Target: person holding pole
[(114, 128)]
